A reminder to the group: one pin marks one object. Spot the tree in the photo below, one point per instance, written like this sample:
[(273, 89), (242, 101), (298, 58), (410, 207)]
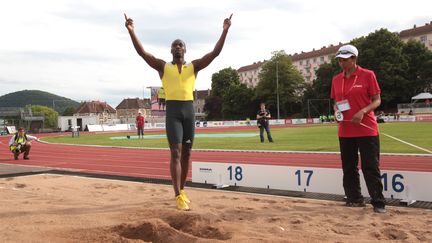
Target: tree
[(426, 73), (36, 97), (223, 80), (237, 103), (320, 89), (381, 51), (322, 84), (213, 107), (419, 73), (69, 111), (291, 84), (49, 114)]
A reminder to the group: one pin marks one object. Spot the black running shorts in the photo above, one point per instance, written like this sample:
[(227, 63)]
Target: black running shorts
[(180, 121)]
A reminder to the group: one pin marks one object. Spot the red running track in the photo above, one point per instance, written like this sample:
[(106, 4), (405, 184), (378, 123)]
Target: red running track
[(154, 163)]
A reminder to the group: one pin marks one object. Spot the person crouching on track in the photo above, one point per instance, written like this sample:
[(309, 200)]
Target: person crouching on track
[(21, 143)]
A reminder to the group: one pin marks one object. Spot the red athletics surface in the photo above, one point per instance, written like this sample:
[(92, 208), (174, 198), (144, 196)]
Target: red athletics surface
[(154, 163)]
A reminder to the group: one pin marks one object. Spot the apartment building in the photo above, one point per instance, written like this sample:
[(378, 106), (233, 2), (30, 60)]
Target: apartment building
[(422, 34), (249, 74), (308, 62)]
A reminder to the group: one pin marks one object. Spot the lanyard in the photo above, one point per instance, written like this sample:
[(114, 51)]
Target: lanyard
[(343, 86)]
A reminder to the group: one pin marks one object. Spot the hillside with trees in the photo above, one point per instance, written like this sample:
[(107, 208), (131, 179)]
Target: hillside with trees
[(36, 97)]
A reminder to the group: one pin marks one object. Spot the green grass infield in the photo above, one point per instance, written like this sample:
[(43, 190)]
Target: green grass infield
[(318, 138)]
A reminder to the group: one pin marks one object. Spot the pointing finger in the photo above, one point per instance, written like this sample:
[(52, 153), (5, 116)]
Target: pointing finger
[(126, 18), (230, 17)]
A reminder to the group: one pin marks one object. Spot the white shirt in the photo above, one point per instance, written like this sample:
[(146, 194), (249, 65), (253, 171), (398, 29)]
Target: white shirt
[(29, 138)]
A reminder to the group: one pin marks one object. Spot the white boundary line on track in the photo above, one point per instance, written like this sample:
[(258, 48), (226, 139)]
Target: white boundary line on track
[(232, 150), (410, 144)]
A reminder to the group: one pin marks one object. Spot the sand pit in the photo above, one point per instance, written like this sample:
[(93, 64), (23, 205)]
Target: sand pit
[(55, 208)]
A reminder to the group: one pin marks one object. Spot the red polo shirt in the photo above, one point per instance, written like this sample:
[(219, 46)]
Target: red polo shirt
[(358, 89), (140, 121)]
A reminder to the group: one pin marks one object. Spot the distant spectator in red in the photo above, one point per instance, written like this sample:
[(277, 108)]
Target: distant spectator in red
[(140, 125), (427, 102)]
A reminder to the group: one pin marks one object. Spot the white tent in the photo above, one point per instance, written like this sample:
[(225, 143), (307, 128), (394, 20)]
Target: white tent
[(422, 96)]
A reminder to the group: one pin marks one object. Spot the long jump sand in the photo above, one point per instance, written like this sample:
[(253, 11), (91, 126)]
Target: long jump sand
[(56, 208)]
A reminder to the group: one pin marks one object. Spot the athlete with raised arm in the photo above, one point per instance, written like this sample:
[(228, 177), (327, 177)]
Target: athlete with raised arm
[(178, 80)]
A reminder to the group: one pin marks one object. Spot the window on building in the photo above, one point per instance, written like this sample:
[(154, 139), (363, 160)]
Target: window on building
[(314, 60), (301, 62), (307, 61), (322, 59), (423, 39)]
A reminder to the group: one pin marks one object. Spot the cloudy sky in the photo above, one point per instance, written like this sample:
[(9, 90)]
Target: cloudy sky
[(81, 50)]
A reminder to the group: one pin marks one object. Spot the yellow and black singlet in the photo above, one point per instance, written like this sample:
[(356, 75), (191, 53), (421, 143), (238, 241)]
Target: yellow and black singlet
[(161, 93), (178, 86)]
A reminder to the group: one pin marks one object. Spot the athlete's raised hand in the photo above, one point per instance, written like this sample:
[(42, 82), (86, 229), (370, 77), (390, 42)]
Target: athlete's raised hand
[(129, 23), (227, 23)]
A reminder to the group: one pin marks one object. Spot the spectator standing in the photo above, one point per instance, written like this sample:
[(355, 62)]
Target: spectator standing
[(263, 116), (139, 121)]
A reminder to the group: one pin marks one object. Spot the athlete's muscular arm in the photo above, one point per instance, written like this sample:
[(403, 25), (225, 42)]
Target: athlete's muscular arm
[(200, 64), (152, 61)]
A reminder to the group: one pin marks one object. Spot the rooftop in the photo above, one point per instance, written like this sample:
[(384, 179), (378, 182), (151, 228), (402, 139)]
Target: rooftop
[(134, 103), (416, 31), (94, 107), (331, 49), (253, 66)]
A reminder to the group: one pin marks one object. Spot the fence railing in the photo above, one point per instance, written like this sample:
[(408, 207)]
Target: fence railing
[(414, 105)]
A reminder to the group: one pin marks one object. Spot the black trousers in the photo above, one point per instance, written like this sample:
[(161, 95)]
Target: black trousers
[(265, 126), (24, 149), (370, 154), (140, 131)]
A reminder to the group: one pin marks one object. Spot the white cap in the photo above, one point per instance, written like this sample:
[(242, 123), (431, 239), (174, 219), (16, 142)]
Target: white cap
[(347, 51)]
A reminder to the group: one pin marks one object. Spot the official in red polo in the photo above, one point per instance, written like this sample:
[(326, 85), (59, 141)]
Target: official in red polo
[(139, 121), (357, 94)]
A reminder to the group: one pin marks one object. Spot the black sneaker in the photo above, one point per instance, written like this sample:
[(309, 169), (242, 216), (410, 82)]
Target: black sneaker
[(355, 204), (26, 158), (379, 210), (15, 156)]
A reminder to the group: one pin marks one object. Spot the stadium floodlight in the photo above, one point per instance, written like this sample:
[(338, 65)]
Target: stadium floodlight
[(277, 89)]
